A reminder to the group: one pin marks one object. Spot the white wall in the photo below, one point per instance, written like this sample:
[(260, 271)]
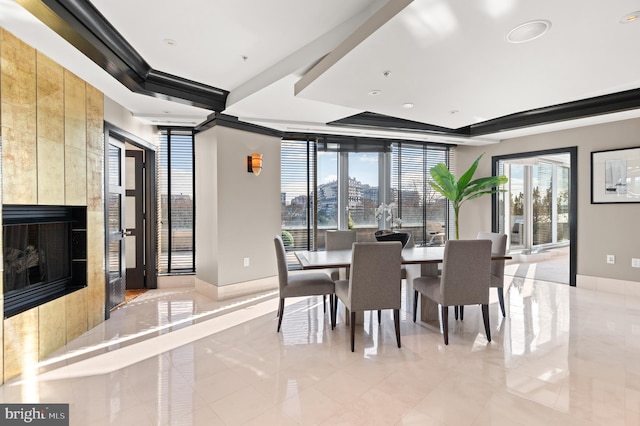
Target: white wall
[(602, 228), (237, 213), (119, 116)]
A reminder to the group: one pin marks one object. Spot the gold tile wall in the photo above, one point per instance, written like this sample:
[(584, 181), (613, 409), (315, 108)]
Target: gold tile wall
[(76, 314), (95, 268), (52, 153), (52, 328), (95, 297), (75, 140), (50, 131), (21, 341), (18, 111)]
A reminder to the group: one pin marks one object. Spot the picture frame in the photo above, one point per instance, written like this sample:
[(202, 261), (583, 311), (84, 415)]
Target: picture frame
[(615, 176)]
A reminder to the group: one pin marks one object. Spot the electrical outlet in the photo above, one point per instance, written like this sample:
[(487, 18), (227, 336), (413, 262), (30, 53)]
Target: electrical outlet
[(635, 262), (611, 259), (246, 261)]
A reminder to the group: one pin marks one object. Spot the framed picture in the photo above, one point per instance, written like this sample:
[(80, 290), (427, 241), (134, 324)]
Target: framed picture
[(615, 176)]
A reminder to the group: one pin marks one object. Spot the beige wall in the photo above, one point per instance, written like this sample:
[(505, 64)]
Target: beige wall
[(52, 153), (237, 213), (602, 228)]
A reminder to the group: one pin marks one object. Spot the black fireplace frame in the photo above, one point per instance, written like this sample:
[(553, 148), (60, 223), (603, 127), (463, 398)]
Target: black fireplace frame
[(17, 301)]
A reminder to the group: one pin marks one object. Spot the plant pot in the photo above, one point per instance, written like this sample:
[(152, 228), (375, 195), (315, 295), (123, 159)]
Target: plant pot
[(387, 235)]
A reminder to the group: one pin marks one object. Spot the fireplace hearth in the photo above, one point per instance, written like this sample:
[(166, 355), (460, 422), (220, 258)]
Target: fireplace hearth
[(44, 249)]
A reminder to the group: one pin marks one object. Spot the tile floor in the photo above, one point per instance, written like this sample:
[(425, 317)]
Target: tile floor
[(563, 356)]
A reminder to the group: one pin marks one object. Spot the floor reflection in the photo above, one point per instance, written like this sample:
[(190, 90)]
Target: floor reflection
[(561, 356)]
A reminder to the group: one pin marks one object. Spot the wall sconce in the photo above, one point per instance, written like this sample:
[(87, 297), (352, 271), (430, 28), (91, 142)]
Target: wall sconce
[(254, 163)]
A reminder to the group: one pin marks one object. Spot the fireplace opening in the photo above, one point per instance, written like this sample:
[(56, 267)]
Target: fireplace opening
[(44, 249)]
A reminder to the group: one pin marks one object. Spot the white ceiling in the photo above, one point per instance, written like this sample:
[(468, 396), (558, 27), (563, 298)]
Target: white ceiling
[(447, 57)]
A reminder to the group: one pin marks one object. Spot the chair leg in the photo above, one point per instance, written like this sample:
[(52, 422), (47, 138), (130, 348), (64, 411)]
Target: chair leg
[(324, 303), (379, 316), (353, 330), (396, 321), (501, 300), (485, 317), (332, 317), (280, 313), (333, 311), (415, 305), (461, 313), (445, 324), (455, 312)]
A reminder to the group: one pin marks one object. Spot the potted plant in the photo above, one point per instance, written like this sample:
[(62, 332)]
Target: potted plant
[(386, 211), (457, 191)]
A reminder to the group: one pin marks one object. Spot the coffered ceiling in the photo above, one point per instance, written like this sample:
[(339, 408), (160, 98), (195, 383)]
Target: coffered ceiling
[(437, 70)]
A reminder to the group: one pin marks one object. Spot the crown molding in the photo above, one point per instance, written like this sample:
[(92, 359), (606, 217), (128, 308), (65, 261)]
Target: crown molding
[(84, 27)]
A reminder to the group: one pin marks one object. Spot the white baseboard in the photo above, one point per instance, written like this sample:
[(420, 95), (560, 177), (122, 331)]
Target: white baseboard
[(176, 281), (232, 291), (608, 285)]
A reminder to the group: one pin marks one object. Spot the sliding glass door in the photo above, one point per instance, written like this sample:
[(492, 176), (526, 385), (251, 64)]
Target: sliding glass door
[(534, 211)]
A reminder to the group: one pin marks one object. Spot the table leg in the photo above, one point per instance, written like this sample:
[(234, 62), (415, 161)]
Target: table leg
[(428, 308)]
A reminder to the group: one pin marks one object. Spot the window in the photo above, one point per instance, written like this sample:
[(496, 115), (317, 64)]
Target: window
[(337, 183), (422, 210), (298, 182), (176, 202)]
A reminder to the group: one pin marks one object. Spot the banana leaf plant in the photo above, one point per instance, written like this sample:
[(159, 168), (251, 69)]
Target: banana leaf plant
[(458, 191)]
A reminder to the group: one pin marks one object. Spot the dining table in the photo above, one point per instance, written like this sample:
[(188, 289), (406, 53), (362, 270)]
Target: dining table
[(417, 261)]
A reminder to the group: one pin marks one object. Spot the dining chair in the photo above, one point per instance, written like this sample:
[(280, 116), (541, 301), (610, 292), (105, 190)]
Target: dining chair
[(465, 280), (300, 283), (498, 248), (338, 240), (374, 282)]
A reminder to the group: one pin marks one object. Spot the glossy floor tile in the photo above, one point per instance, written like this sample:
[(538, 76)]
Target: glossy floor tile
[(562, 356)]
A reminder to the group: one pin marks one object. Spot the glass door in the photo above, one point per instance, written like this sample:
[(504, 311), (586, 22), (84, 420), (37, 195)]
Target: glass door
[(134, 176), (115, 216), (534, 210)]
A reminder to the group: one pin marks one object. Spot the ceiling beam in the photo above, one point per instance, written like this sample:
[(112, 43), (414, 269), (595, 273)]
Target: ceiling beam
[(84, 27)]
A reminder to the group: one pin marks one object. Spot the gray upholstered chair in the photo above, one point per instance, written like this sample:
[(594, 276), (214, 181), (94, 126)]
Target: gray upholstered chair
[(498, 248), (338, 240), (374, 282), (465, 280), (300, 283)]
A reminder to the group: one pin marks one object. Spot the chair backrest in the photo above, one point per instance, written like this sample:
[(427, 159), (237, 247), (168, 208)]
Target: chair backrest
[(339, 240), (281, 258), (375, 281), (466, 272), (498, 247)]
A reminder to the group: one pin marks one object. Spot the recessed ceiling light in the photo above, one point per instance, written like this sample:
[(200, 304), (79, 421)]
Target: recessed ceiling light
[(454, 111), (169, 42), (407, 105), (528, 31), (631, 17), (375, 92)]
